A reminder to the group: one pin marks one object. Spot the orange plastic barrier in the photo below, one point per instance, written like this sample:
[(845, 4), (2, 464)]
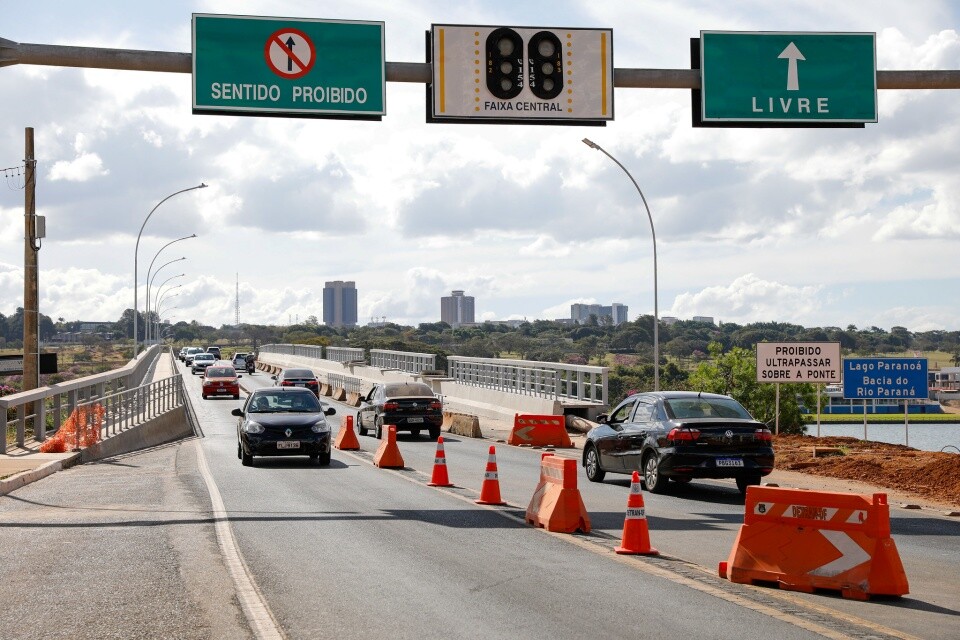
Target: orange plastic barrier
[(490, 489), (539, 431), (346, 439), (636, 535), (388, 453), (440, 477), (806, 540), (81, 429), (556, 504)]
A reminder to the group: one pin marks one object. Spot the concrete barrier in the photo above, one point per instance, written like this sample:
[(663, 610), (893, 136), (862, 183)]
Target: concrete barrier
[(325, 390), (339, 394), (465, 425), (353, 399), (173, 425)]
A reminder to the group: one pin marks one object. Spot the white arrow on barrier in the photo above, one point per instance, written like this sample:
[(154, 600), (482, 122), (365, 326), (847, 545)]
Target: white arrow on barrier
[(522, 433), (852, 554)]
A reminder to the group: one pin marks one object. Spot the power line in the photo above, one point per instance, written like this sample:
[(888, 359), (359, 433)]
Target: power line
[(16, 177)]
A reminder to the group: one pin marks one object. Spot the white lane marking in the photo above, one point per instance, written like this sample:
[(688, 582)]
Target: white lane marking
[(258, 614)]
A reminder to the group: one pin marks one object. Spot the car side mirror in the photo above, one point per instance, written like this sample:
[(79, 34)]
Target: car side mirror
[(273, 377), (237, 412), (602, 418), (239, 375), (329, 411)]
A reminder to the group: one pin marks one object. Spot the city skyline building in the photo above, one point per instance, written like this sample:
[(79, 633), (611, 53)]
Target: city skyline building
[(617, 312), (457, 309), (340, 303)]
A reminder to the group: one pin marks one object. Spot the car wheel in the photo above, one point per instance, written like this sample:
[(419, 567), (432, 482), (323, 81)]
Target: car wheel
[(378, 429), (747, 481), (595, 472), (203, 395), (654, 482), (236, 396), (239, 451), (362, 430), (434, 433), (246, 459), (324, 458)]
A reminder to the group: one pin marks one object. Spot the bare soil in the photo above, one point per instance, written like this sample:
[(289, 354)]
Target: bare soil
[(929, 474)]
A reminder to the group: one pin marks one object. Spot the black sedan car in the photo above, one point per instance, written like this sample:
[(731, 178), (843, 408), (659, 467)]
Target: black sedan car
[(410, 406), (679, 435), (298, 378), (283, 421)]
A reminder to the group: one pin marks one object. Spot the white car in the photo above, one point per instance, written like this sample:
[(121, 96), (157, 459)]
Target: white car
[(201, 361)]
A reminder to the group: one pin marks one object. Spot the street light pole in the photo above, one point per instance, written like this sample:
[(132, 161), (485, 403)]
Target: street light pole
[(136, 251), (163, 299), (157, 255), (653, 233), (151, 278)]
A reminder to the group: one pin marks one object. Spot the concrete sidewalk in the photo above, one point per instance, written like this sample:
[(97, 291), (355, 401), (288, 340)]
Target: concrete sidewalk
[(21, 466)]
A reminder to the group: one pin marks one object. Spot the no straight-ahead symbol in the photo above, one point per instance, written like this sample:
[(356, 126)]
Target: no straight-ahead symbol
[(290, 53)]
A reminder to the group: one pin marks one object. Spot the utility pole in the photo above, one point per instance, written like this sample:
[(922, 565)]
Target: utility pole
[(31, 311)]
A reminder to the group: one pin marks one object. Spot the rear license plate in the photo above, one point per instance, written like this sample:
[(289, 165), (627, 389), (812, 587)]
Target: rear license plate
[(292, 444), (299, 384), (414, 419), (729, 462)]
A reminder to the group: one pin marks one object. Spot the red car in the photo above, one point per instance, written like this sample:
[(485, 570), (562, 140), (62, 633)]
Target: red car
[(221, 379)]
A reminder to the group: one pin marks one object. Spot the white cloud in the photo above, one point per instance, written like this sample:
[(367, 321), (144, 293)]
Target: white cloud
[(747, 298)]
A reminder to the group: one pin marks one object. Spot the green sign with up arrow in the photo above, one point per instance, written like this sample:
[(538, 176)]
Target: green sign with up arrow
[(788, 77)]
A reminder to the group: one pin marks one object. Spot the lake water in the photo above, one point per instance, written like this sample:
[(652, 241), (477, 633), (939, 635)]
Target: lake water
[(927, 437)]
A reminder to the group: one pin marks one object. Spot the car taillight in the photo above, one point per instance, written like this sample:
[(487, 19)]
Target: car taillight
[(436, 404), (763, 435), (286, 383), (683, 435), (390, 406)]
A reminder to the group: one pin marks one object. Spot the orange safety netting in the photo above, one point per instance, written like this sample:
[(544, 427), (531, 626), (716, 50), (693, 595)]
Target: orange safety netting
[(82, 427)]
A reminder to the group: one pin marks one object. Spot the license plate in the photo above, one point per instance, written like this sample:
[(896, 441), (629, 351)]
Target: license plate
[(414, 420), (729, 462), (299, 384), (288, 444)]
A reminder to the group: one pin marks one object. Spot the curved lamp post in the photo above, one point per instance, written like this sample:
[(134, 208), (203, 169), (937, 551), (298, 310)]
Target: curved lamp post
[(656, 311), (150, 279), (136, 251), (150, 269), (164, 299)]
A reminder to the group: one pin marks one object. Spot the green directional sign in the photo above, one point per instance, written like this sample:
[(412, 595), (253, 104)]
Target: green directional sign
[(788, 77), (248, 65)]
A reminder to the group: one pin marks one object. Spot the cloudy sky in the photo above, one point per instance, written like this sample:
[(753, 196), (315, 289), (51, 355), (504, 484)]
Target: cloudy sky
[(825, 227)]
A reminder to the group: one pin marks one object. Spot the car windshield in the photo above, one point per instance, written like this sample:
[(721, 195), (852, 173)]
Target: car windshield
[(408, 389), (204, 356), (221, 372), (683, 408), (284, 402)]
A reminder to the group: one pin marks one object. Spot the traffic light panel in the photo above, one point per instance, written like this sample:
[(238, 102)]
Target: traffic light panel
[(504, 63), (545, 56)]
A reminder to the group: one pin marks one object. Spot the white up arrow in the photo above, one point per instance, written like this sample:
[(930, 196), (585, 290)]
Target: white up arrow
[(792, 54)]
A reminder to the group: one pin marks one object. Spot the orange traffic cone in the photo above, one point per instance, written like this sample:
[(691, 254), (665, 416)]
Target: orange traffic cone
[(388, 454), (636, 536), (346, 439), (440, 477), (490, 490)]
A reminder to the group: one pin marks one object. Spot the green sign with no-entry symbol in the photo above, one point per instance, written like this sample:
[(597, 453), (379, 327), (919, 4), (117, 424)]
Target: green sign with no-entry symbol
[(249, 65), (788, 77)]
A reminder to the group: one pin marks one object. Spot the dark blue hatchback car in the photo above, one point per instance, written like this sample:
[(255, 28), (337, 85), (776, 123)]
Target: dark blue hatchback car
[(679, 436)]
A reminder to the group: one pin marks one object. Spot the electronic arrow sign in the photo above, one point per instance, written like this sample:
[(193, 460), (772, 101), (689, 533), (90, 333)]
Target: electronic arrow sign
[(788, 77), (248, 65), (885, 378), (521, 74)]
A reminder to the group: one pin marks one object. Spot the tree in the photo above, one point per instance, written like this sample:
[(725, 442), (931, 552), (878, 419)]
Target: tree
[(734, 373)]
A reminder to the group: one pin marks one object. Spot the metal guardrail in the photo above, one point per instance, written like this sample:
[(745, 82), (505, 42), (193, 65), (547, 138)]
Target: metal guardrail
[(347, 383), (302, 350), (403, 360), (543, 379), (46, 408), (344, 354)]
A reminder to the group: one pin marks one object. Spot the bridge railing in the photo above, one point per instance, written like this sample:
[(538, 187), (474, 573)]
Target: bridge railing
[(302, 350), (347, 383), (344, 354), (582, 383), (403, 360), (37, 411)]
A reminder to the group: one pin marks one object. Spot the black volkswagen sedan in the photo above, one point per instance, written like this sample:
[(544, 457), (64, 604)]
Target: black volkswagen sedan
[(410, 406), (679, 436), (283, 421)]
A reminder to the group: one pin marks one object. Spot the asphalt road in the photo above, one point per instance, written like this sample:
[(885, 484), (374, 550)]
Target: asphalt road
[(129, 548)]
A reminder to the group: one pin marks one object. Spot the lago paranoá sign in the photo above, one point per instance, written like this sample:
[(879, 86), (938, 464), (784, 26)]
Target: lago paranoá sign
[(248, 65)]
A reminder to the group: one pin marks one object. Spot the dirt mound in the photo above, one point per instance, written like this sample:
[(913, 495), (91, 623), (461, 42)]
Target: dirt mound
[(934, 475)]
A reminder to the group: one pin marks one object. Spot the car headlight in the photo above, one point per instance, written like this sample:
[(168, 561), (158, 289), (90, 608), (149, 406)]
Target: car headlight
[(253, 427), (320, 427)]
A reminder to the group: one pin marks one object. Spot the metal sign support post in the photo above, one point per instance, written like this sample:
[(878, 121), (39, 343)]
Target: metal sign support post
[(864, 419), (906, 422), (777, 409), (819, 387)]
